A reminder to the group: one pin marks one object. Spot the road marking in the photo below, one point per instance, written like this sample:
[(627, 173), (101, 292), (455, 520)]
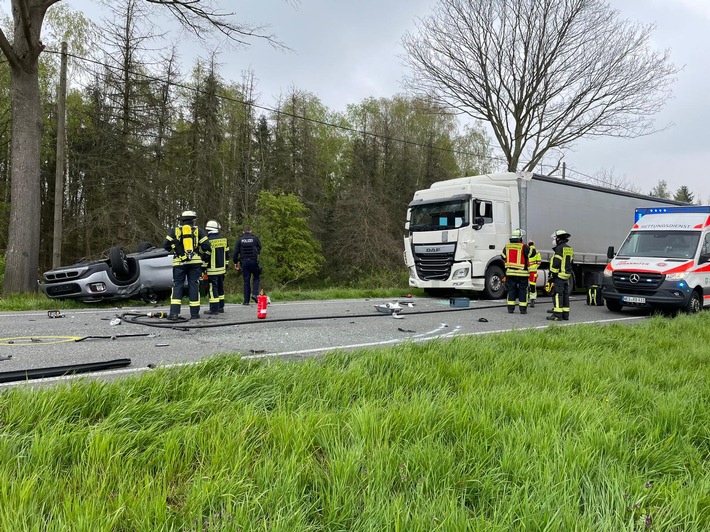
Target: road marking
[(127, 371), (37, 340)]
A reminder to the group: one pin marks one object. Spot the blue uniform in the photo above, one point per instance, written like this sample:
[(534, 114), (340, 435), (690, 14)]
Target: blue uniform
[(246, 253)]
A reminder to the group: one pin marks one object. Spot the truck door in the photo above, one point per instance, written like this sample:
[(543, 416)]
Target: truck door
[(484, 216)]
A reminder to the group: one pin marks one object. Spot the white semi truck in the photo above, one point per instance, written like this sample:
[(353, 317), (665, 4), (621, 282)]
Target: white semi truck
[(456, 229)]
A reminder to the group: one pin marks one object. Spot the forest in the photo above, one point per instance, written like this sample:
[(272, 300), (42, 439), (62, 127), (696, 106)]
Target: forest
[(145, 141)]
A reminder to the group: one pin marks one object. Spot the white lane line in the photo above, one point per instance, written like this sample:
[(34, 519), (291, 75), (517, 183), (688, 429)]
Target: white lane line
[(315, 350), (441, 327)]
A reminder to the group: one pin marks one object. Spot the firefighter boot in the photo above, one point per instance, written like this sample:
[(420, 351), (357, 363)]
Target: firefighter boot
[(523, 310), (565, 316), (511, 309), (555, 316)]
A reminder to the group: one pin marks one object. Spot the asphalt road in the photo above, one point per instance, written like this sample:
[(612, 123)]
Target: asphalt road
[(291, 330)]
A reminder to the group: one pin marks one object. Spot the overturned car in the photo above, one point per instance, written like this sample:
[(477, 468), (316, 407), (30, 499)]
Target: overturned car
[(146, 275)]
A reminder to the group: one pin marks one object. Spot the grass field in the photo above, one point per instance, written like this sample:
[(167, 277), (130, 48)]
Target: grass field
[(599, 428)]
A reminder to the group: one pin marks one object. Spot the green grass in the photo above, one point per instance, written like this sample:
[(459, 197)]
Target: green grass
[(599, 428), (16, 302)]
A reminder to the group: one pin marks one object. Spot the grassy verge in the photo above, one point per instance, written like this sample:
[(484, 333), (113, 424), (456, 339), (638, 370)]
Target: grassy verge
[(569, 428), (41, 302)]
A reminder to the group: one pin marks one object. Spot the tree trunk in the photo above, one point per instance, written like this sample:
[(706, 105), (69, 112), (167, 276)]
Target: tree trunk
[(22, 256)]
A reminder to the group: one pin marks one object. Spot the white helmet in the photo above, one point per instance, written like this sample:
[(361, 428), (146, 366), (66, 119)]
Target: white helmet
[(213, 226), (188, 215)]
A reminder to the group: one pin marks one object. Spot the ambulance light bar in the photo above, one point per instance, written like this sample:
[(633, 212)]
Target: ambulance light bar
[(667, 210)]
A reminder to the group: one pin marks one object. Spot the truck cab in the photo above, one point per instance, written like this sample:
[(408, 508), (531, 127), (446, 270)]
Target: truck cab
[(664, 262)]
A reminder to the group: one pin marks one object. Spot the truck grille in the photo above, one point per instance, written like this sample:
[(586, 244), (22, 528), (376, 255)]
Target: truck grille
[(638, 280), (434, 266)]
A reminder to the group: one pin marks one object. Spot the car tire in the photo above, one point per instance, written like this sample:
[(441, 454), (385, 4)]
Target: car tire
[(145, 246), (695, 304), (614, 305), (118, 262)]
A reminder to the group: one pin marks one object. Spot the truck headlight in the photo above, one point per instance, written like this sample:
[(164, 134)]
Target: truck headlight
[(675, 276), (461, 273), (608, 273)]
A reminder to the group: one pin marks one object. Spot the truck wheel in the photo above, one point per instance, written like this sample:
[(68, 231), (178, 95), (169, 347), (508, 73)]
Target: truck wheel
[(694, 304), (118, 262), (494, 287), (613, 305)]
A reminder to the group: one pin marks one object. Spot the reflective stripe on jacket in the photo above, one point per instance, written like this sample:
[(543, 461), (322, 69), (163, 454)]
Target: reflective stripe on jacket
[(217, 261), (516, 259), (561, 263)]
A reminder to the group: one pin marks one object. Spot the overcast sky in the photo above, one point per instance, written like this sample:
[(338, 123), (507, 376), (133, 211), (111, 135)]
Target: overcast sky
[(348, 50)]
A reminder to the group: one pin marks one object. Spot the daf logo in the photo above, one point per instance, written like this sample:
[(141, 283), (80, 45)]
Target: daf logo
[(433, 250), (634, 278)]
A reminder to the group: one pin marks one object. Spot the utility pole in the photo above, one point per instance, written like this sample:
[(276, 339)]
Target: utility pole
[(61, 146)]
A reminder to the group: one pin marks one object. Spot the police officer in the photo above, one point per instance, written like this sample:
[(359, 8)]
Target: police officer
[(534, 259), (246, 257), (516, 258), (216, 266), (560, 272), (188, 244)]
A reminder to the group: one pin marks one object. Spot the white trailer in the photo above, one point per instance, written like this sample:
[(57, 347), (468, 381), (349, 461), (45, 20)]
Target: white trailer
[(456, 229)]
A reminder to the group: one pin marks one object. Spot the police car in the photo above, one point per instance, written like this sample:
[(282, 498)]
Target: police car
[(146, 275)]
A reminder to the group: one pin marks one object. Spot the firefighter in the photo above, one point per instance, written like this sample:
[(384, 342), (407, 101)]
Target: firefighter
[(216, 266), (516, 258), (246, 257), (534, 259), (560, 272), (188, 244)]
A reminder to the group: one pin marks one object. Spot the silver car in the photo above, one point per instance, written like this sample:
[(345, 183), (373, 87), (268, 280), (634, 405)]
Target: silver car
[(146, 275)]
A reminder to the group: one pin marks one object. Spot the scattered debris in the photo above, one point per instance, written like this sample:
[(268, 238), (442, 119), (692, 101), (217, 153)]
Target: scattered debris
[(115, 321), (55, 314), (483, 320), (162, 345), (8, 357), (405, 330), (389, 308)]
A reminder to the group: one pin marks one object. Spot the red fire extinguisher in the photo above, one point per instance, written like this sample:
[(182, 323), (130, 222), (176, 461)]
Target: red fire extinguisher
[(261, 303)]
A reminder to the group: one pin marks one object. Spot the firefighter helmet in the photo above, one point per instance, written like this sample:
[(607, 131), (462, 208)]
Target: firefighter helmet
[(516, 236), (188, 215), (561, 234), (212, 226)]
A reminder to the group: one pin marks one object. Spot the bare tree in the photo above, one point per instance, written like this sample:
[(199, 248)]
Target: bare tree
[(542, 73), (22, 254)]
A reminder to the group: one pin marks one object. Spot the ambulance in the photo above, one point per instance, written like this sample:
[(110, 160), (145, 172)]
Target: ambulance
[(663, 263)]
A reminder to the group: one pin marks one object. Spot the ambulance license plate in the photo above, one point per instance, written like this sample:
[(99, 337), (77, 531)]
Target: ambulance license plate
[(634, 299)]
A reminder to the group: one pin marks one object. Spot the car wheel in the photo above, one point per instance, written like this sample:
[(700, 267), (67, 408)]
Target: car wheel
[(118, 262), (494, 287), (613, 305), (694, 304), (144, 246)]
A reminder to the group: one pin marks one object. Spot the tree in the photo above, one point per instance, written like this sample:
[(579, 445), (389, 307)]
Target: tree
[(542, 73), (22, 54), (660, 190), (290, 253), (684, 194)]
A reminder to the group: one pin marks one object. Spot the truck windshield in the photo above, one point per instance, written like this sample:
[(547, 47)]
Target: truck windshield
[(666, 245), (444, 215)]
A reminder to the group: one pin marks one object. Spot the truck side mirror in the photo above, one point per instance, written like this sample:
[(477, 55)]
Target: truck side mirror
[(406, 226), (610, 252), (478, 223), (704, 258)]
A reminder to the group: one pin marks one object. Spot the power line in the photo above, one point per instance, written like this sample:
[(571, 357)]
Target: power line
[(255, 105)]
